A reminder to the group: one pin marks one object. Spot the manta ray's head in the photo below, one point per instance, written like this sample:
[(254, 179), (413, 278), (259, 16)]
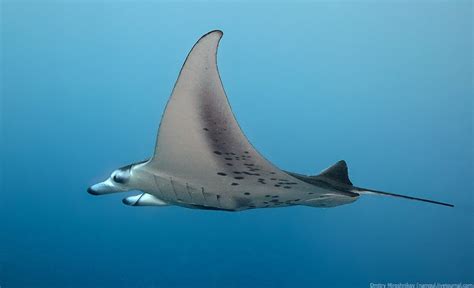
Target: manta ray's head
[(119, 181)]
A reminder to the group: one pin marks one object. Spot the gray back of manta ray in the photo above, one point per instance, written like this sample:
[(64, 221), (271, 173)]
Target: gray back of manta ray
[(203, 160)]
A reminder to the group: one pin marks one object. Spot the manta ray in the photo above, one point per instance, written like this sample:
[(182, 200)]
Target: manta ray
[(203, 160)]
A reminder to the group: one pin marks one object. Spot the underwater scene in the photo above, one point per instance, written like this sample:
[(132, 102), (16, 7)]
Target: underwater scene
[(237, 144)]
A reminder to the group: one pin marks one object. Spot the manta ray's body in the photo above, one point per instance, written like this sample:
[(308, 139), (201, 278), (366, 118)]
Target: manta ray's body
[(203, 160)]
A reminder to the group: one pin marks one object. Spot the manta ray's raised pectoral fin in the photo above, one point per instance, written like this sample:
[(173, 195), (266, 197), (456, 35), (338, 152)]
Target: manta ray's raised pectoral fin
[(143, 199), (199, 138)]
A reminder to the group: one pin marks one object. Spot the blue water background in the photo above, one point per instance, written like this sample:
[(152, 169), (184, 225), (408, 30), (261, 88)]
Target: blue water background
[(385, 86)]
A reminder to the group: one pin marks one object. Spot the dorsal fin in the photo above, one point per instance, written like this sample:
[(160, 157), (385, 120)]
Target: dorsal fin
[(337, 172)]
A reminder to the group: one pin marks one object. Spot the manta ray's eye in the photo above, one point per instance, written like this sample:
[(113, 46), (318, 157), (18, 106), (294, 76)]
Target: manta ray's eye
[(120, 178)]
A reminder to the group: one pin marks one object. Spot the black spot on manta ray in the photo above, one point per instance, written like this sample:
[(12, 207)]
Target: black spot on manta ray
[(228, 158), (251, 174), (221, 174), (277, 185), (246, 193), (218, 152), (205, 129), (229, 164), (234, 184), (238, 177), (287, 187)]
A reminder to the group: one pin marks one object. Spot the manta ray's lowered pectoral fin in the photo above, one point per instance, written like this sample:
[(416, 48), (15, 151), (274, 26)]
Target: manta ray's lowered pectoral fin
[(143, 199)]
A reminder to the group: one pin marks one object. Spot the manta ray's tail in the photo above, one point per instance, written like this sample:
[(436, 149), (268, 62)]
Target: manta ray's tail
[(339, 173), (370, 191)]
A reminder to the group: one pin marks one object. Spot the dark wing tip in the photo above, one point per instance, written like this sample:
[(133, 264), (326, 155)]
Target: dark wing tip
[(217, 32)]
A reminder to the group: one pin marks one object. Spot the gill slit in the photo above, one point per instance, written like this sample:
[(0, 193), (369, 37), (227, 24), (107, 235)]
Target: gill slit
[(189, 193), (158, 187), (203, 195), (174, 190)]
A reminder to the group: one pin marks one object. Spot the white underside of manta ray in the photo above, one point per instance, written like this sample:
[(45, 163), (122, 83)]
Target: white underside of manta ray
[(203, 160)]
